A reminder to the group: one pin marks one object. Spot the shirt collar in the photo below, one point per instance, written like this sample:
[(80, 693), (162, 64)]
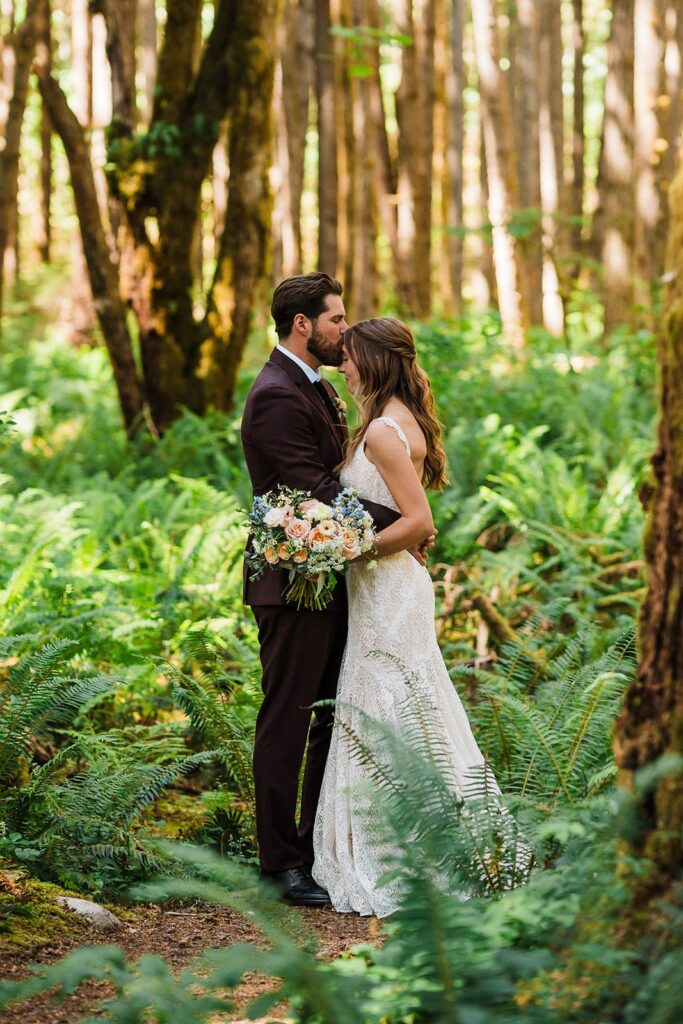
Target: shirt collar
[(313, 375)]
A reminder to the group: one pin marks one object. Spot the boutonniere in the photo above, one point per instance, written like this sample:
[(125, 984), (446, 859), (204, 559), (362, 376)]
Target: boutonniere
[(341, 405)]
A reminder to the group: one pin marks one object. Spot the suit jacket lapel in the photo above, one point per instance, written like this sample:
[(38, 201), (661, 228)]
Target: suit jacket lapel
[(297, 375)]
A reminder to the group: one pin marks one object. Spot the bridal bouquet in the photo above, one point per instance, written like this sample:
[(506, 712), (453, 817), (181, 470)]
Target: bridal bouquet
[(313, 541)]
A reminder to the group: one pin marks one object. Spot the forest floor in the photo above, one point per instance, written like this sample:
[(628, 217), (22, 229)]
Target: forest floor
[(178, 934)]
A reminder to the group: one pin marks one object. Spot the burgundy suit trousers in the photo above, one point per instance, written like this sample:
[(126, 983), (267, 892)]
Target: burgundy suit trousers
[(301, 653)]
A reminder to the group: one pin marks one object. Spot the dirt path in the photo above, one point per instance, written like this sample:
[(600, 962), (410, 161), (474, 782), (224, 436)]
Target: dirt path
[(178, 934)]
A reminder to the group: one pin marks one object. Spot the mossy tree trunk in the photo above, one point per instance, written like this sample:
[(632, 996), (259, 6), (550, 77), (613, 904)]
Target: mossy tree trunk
[(191, 344), (651, 722)]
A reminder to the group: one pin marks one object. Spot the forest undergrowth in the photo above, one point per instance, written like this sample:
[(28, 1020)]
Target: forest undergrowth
[(129, 684)]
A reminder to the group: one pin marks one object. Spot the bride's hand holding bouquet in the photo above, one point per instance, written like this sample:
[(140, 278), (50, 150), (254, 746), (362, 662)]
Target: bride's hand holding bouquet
[(313, 541)]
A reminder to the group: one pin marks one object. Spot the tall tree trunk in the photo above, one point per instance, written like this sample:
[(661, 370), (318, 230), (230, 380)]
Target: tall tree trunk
[(297, 65), (578, 132), (44, 231), (614, 220), (651, 722), (103, 279), (147, 36), (551, 140), (327, 141), (415, 115), (648, 58), (82, 319), (244, 244), (528, 42), (24, 46), (503, 198), (670, 115), (455, 144), (364, 269), (386, 173)]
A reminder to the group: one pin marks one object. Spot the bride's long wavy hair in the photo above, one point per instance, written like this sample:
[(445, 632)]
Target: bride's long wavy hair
[(383, 350)]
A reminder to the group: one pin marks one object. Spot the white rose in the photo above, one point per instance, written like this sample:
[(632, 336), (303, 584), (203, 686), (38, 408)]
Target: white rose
[(274, 517)]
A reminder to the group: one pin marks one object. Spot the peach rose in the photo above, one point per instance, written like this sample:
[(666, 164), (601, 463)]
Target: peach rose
[(287, 513), (329, 528), (270, 554), (351, 546), (297, 529), (283, 552), (317, 538), (300, 556)]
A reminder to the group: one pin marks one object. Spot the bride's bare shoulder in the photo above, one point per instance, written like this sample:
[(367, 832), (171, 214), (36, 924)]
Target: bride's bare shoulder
[(401, 414)]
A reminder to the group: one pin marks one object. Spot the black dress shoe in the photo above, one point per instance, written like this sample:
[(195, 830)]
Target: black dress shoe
[(298, 888)]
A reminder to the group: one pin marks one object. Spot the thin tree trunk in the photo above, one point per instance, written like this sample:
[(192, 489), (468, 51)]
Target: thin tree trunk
[(614, 219), (529, 151), (415, 115), (648, 58), (244, 244), (24, 46), (82, 318), (297, 65), (147, 37), (651, 722), (670, 115), (551, 141), (327, 142), (503, 189), (103, 280), (44, 230), (578, 131), (455, 143), (364, 269)]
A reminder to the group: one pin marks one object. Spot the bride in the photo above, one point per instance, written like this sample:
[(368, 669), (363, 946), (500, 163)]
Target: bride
[(394, 454)]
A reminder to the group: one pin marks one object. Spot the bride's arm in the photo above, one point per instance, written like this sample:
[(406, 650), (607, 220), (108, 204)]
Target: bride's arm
[(386, 450)]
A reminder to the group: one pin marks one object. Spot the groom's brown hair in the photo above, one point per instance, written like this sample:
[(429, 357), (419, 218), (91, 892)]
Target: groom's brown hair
[(305, 293)]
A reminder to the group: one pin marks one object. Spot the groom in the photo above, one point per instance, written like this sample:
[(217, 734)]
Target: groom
[(293, 433)]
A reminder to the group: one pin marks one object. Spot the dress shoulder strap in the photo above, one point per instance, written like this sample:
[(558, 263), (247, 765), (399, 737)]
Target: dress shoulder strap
[(392, 423)]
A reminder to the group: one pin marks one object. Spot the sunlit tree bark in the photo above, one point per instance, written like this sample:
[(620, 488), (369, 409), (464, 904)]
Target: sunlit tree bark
[(648, 58), (527, 107), (415, 114), (578, 130), (503, 190), (295, 80), (147, 37), (364, 268), (103, 278), (614, 220), (551, 141), (44, 235), (455, 145), (24, 42), (670, 114), (327, 141)]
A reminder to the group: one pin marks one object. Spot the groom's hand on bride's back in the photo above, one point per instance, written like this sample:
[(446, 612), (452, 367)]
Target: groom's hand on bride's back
[(421, 551)]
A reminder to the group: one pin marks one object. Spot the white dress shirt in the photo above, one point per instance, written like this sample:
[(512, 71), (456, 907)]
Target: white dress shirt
[(313, 375)]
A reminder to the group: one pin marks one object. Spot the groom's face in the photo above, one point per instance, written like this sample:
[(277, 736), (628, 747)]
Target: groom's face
[(327, 332)]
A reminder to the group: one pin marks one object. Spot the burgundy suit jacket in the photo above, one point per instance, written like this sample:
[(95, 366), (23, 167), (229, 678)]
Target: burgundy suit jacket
[(290, 437)]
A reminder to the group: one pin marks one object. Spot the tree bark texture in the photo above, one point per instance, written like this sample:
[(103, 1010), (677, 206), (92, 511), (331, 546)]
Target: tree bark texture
[(614, 220), (364, 269), (244, 243), (103, 279), (503, 191), (327, 141), (527, 107), (578, 145), (651, 722), (147, 35), (33, 27), (415, 115), (44, 230), (455, 82), (648, 59), (297, 65)]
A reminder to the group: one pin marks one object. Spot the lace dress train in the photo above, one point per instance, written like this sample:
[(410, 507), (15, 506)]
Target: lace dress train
[(391, 610)]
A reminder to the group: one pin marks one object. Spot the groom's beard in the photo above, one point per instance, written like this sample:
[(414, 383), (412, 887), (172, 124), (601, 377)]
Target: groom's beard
[(328, 352)]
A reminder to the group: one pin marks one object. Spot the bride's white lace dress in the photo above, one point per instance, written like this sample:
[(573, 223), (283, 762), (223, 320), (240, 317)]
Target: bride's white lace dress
[(391, 609)]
